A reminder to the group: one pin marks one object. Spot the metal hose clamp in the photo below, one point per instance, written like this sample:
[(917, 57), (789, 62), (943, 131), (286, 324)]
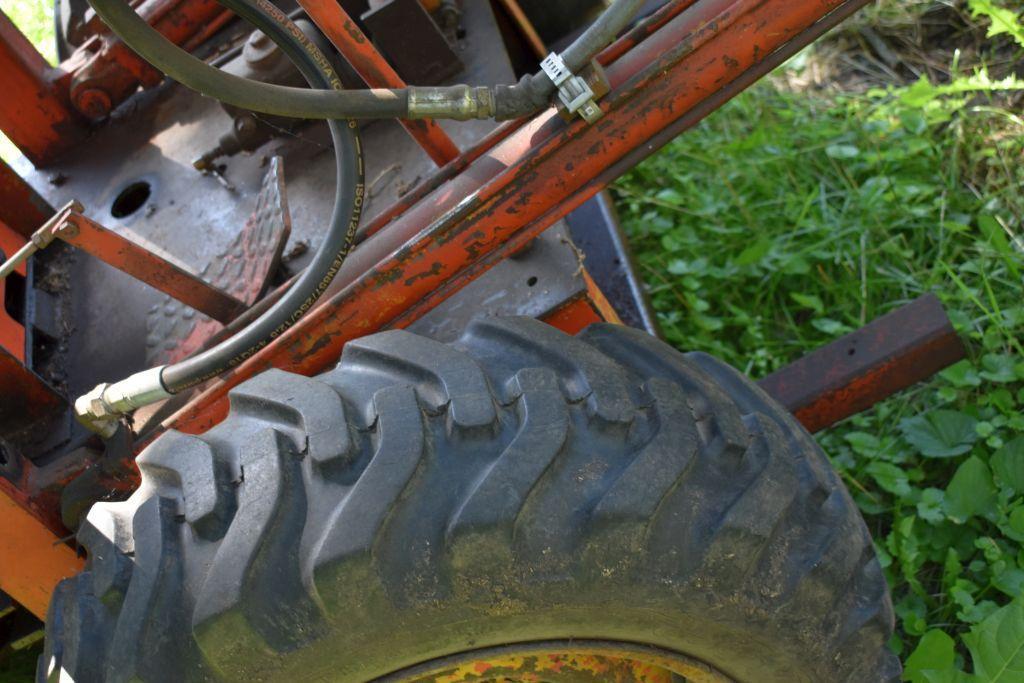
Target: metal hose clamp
[(575, 93)]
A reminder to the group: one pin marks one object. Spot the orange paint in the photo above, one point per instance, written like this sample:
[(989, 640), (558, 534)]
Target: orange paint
[(32, 559)]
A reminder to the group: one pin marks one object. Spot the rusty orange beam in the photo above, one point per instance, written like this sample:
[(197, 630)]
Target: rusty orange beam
[(34, 112), (105, 71), (21, 207), (142, 264), (589, 307), (32, 559), (12, 333), (860, 369), (526, 27), (371, 66), (525, 183), (606, 58)]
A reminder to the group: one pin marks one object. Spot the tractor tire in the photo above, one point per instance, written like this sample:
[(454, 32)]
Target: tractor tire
[(518, 497)]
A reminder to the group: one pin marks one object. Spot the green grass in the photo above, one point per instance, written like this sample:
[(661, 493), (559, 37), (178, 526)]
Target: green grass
[(790, 218)]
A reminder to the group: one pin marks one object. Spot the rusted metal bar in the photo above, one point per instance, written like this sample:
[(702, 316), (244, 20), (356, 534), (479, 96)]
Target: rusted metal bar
[(526, 27), (105, 71), (208, 31), (142, 264), (34, 112), (21, 207), (12, 332), (857, 371), (35, 398), (371, 66), (606, 58), (578, 313), (643, 29), (32, 558), (522, 186)]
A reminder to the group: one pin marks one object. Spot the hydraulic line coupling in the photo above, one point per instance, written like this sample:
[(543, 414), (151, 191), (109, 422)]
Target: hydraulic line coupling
[(101, 409), (578, 94)]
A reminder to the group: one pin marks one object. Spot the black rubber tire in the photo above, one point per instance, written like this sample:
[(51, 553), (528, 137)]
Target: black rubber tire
[(519, 485)]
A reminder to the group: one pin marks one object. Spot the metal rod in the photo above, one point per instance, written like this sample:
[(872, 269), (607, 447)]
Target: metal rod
[(519, 188), (19, 257), (40, 239), (142, 264), (526, 27), (375, 71)]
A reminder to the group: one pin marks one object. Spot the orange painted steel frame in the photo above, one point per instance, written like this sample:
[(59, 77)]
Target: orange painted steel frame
[(530, 179), (375, 71), (12, 333), (686, 60), (144, 265), (34, 110)]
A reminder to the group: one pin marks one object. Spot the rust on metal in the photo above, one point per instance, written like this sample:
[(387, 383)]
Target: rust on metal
[(857, 371), (590, 307), (12, 332), (526, 27), (32, 559), (348, 38), (142, 264), (530, 179), (21, 207), (579, 661), (34, 110), (104, 71), (243, 271)]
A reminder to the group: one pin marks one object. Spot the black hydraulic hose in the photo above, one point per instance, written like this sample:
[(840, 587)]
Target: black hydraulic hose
[(457, 102), (348, 203), (534, 90)]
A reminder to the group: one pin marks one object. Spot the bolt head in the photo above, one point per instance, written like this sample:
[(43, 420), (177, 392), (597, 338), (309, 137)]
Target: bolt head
[(93, 103)]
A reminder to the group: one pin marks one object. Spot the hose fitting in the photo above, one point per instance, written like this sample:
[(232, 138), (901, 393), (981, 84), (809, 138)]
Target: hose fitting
[(101, 409), (458, 102)]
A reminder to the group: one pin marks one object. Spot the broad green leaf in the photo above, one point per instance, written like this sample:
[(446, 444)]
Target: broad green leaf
[(1008, 464), (970, 492), (935, 652), (1010, 581), (809, 301), (670, 196), (863, 443), (997, 645), (998, 367), (960, 375), (1017, 521), (754, 253), (842, 151), (1004, 20), (830, 327), (929, 508), (940, 433), (890, 477)]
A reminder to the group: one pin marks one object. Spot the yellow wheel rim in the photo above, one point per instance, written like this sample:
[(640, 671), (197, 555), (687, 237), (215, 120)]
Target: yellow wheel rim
[(566, 662)]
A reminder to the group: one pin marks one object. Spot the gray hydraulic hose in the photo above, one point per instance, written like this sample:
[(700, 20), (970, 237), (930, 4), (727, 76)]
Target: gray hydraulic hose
[(453, 102), (344, 222), (100, 409)]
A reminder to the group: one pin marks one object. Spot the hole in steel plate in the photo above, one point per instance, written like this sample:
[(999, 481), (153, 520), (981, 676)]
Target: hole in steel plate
[(531, 282), (131, 199)]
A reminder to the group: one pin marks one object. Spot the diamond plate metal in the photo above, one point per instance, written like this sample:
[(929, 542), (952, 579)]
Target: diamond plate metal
[(175, 331)]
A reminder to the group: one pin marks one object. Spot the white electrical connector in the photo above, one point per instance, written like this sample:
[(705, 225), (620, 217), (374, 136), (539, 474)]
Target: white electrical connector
[(574, 92)]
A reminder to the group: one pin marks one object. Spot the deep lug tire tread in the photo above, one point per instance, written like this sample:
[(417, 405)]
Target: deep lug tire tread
[(475, 481)]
